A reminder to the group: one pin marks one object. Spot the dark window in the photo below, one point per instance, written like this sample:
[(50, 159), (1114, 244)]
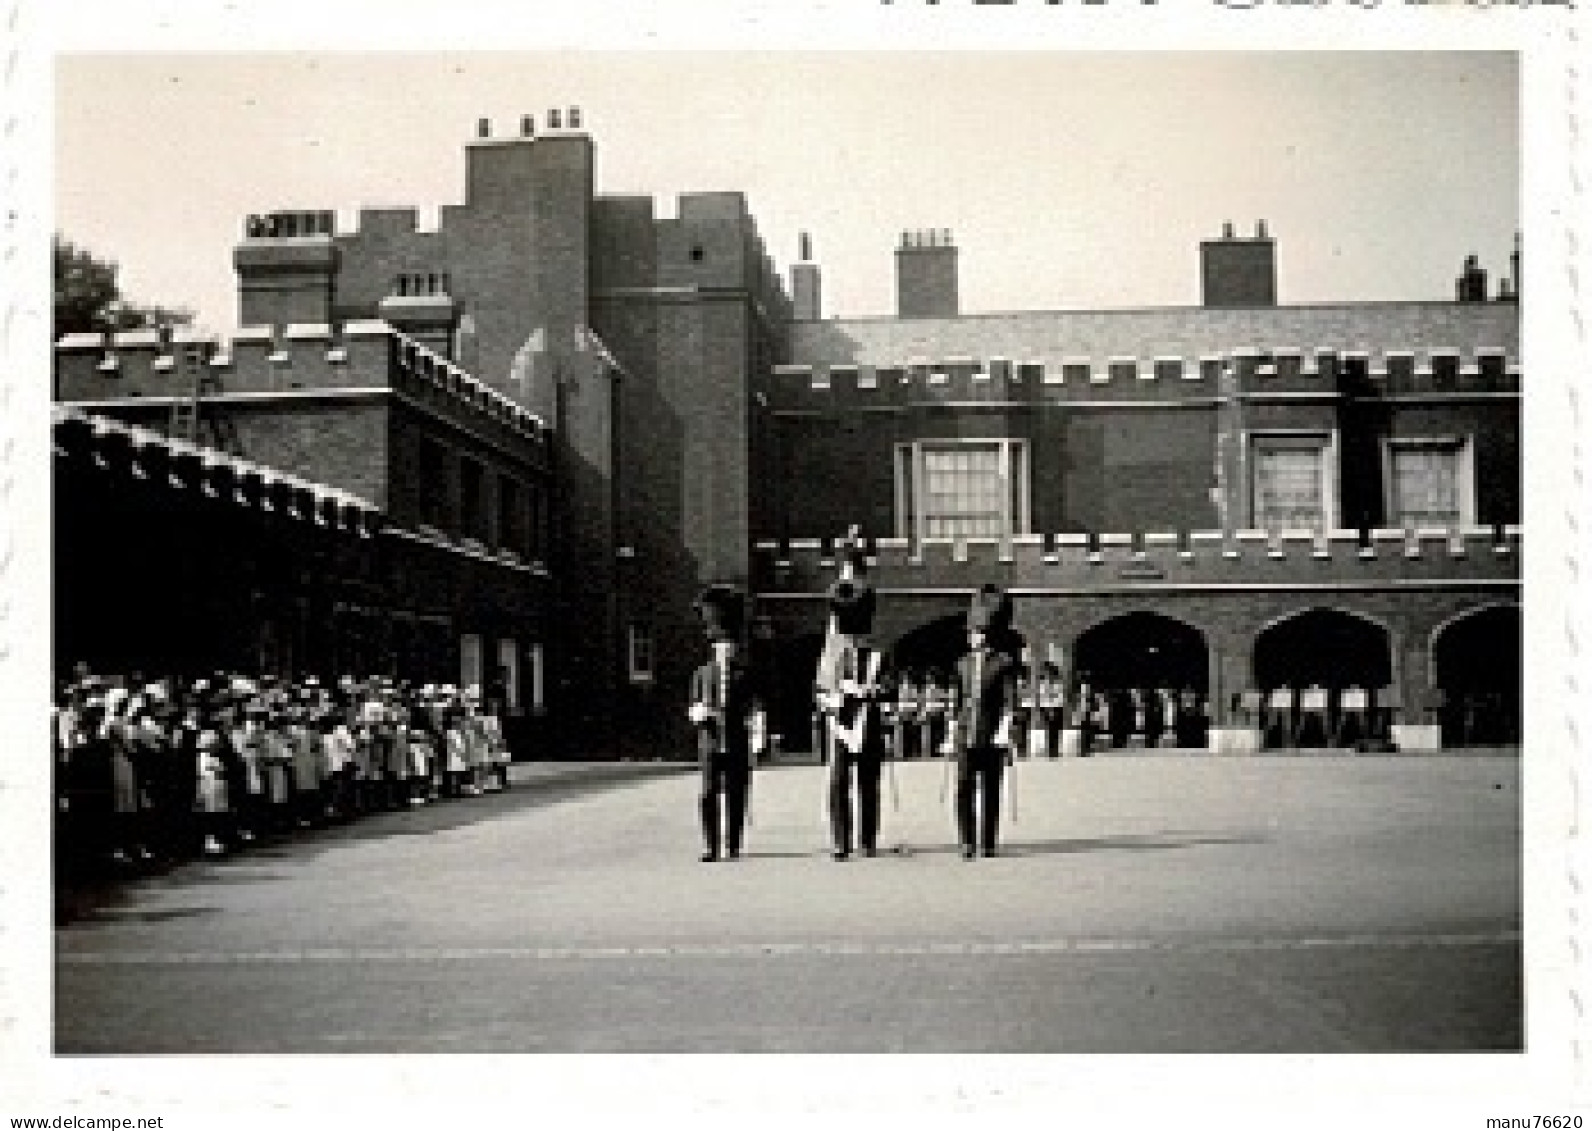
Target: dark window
[(472, 501), (511, 516), (434, 484), (536, 523)]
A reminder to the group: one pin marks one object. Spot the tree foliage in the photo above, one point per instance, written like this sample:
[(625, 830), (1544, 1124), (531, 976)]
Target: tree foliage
[(88, 298)]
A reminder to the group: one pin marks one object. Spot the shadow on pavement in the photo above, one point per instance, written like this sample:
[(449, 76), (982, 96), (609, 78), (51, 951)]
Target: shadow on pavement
[(111, 897), (1017, 847), (1129, 843)]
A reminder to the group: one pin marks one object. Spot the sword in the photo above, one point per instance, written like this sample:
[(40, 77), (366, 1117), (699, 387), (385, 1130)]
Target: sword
[(1011, 768)]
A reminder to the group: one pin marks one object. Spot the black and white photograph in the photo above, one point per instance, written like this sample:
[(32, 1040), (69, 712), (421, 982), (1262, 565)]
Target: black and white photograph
[(1012, 551)]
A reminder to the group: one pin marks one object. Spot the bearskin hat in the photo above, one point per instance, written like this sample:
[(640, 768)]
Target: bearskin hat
[(990, 611), (852, 601), (723, 612)]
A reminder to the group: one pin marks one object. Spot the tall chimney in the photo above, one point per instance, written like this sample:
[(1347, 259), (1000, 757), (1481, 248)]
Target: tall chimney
[(926, 285), (1514, 268), (805, 284), (1237, 272), (1471, 286)]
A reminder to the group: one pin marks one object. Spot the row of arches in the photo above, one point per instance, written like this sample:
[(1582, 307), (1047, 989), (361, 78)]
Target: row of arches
[(1319, 676)]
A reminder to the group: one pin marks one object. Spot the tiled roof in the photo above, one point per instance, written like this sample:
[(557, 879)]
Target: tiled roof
[(101, 428), (1188, 332)]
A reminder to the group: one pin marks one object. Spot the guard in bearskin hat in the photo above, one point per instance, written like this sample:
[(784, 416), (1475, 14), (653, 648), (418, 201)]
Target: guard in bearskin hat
[(986, 681), (852, 686), (731, 725)]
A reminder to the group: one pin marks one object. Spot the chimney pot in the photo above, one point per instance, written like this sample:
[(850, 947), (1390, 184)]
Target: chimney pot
[(806, 249), (574, 117), (555, 120), (1227, 230), (1260, 230), (483, 127), (527, 125)]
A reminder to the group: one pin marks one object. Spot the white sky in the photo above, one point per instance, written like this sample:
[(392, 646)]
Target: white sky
[(1069, 179)]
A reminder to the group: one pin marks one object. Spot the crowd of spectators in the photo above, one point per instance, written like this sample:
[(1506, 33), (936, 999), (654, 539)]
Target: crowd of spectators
[(151, 771)]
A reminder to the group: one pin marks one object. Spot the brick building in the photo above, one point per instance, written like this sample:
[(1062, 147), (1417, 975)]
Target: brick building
[(550, 420), (1265, 505), (552, 386)]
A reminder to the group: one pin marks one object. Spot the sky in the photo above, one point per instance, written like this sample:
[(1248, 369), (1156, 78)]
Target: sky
[(1068, 180)]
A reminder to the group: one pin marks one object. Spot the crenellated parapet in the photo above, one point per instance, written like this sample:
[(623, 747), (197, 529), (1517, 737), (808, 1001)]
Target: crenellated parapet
[(1247, 373), (1159, 560), (261, 362)]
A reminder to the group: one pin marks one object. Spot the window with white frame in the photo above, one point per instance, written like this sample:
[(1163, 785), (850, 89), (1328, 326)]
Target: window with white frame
[(960, 489), (1291, 481), (640, 653), (1429, 482)]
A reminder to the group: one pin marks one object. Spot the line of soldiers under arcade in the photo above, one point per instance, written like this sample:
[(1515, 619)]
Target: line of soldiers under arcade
[(921, 703)]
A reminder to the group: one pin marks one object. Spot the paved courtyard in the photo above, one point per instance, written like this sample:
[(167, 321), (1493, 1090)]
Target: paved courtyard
[(1148, 904)]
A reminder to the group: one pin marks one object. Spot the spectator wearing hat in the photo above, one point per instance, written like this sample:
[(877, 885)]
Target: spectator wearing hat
[(277, 753), (215, 768), (337, 745), (126, 794), (494, 750), (456, 770), (149, 747), (726, 708), (304, 753), (89, 783), (422, 756), (986, 696), (248, 743), (475, 751), (71, 728)]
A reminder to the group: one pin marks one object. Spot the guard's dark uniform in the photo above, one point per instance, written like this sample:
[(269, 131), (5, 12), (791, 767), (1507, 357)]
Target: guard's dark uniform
[(853, 684), (727, 710), (986, 705)]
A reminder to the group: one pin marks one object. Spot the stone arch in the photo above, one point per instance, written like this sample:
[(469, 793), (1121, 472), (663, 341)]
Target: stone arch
[(932, 645), (1357, 614), (1476, 664), (1326, 649), (1145, 672), (1329, 646), (1142, 648)]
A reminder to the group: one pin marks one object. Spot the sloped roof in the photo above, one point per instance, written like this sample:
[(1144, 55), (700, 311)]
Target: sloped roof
[(1187, 332)]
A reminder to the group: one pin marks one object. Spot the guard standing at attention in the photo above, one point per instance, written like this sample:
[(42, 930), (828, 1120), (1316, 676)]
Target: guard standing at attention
[(852, 685), (986, 685), (731, 724)]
